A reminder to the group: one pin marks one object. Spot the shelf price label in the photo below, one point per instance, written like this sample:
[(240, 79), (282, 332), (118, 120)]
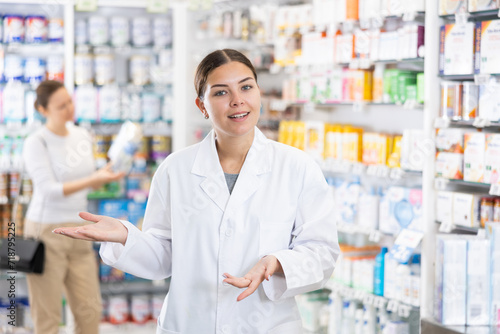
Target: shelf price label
[(461, 18), (405, 244), (86, 5), (481, 122), (440, 123), (157, 6), (441, 183), (396, 173), (409, 17), (404, 311), (495, 190), (392, 305), (482, 79), (358, 168), (374, 236)]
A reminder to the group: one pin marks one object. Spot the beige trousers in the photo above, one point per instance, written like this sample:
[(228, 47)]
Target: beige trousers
[(70, 268)]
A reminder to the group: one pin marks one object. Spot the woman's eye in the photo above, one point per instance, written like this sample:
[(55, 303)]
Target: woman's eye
[(220, 93), (246, 87)]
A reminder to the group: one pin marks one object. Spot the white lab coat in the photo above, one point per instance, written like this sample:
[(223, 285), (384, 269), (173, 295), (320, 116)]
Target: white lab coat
[(195, 231)]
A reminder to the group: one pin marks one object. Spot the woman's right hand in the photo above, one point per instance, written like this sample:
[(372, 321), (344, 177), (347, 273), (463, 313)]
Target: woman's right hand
[(105, 229), (105, 175)]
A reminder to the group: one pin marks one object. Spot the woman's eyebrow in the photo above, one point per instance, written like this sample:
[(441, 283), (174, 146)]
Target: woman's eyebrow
[(222, 85)]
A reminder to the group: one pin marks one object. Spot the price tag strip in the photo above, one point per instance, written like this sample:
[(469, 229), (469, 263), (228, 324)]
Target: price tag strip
[(393, 305), (405, 244)]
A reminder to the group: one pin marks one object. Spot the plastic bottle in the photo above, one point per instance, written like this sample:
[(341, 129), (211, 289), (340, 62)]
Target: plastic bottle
[(369, 321), (403, 273), (358, 321), (382, 319), (378, 281), (335, 310)]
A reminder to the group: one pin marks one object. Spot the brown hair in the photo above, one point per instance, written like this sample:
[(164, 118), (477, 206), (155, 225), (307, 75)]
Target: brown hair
[(214, 60), (45, 91)]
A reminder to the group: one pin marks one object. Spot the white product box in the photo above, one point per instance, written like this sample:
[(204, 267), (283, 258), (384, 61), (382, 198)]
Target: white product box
[(414, 148), (368, 216), (487, 46), (388, 44), (457, 53), (489, 101), (449, 165), (390, 276), (450, 7), (450, 280), (466, 209), (344, 48), (480, 5), (86, 104), (492, 159), (478, 282), (314, 139), (450, 140), (444, 207), (493, 235), (474, 152), (374, 44)]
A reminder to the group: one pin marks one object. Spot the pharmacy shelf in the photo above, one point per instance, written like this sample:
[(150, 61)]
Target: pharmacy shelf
[(134, 287), (367, 298), (42, 49), (149, 129), (441, 123), (432, 326), (465, 77), (443, 184), (381, 171), (373, 235), (474, 16), (459, 229)]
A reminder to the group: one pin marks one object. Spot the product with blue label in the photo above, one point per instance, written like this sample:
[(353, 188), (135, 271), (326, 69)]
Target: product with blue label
[(378, 287), (401, 208)]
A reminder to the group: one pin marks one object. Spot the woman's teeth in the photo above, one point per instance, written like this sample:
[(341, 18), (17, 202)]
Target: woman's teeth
[(239, 115)]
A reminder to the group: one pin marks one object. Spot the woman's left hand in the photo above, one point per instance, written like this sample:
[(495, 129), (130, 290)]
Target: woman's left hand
[(264, 269)]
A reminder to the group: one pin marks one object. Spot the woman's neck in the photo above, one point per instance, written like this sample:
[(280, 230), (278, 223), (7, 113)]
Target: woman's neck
[(56, 128), (232, 153)]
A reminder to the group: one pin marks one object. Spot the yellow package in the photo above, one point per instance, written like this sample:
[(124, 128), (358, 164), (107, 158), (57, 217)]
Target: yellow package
[(394, 160)]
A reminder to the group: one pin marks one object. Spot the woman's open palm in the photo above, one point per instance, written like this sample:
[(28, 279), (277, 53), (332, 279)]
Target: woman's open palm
[(104, 229)]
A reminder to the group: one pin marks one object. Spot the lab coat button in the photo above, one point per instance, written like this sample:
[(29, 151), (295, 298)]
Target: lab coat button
[(225, 329), (229, 232)]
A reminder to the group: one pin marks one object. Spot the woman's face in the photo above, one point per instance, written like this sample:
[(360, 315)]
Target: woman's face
[(231, 100), (60, 107)]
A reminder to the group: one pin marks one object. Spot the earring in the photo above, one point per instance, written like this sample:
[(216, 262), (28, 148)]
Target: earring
[(206, 116)]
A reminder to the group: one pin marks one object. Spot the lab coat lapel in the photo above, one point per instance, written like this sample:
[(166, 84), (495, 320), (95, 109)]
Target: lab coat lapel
[(257, 162), (207, 164)]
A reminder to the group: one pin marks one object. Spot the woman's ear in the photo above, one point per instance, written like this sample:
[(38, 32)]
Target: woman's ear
[(42, 111), (201, 106)]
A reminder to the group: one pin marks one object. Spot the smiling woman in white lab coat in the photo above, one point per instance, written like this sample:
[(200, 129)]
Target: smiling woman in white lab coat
[(236, 256)]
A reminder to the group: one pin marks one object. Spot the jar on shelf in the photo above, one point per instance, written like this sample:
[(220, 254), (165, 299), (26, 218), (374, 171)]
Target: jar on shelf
[(451, 100), (36, 29)]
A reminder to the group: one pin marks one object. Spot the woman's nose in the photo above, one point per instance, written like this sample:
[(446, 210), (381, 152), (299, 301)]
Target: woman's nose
[(236, 100)]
